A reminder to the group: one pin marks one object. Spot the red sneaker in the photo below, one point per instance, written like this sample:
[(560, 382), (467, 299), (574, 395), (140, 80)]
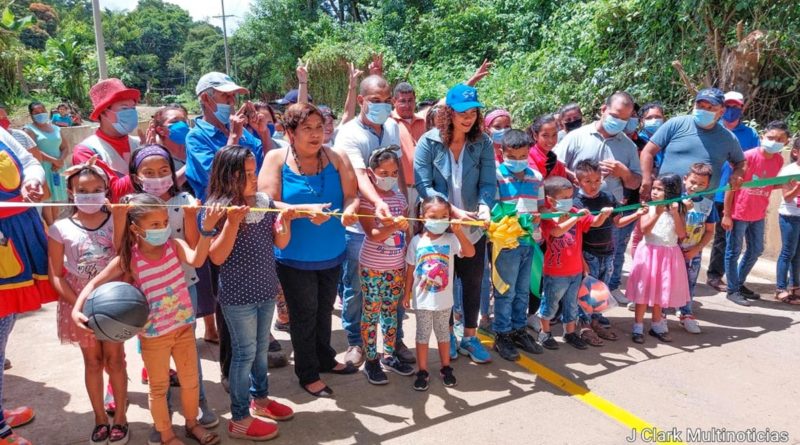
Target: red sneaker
[(18, 416), (274, 410), (258, 430), (13, 439)]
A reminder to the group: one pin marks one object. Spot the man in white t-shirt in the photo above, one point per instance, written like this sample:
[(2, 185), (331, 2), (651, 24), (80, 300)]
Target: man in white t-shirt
[(358, 138)]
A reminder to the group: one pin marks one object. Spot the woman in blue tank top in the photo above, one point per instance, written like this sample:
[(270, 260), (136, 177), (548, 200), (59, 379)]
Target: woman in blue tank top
[(308, 175)]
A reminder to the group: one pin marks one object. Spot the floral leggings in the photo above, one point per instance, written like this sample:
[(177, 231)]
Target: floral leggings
[(382, 291)]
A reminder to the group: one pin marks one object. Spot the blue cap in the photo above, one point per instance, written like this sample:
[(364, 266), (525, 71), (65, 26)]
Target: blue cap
[(714, 96), (291, 98), (462, 98)]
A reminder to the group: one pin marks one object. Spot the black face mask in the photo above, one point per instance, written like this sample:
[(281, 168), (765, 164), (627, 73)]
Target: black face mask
[(573, 125)]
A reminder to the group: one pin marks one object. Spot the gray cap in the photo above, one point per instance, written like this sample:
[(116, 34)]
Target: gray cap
[(220, 82)]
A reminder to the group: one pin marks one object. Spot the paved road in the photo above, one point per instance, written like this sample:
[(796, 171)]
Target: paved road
[(737, 375)]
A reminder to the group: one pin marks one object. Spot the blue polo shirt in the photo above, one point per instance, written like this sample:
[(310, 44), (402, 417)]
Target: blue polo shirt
[(202, 143), (748, 138)]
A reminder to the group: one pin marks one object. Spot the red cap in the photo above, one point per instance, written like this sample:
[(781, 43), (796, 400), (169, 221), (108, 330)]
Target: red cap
[(106, 92)]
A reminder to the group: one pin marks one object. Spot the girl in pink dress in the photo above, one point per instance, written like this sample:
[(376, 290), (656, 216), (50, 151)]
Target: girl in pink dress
[(658, 278)]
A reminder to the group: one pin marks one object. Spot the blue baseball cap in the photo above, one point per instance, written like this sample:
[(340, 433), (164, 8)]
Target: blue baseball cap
[(291, 98), (714, 96), (462, 98)]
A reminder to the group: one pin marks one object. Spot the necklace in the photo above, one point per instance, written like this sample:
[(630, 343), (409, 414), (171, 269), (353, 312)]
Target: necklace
[(305, 177)]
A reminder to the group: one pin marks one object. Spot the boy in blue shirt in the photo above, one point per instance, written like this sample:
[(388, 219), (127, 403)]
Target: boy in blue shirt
[(518, 185)]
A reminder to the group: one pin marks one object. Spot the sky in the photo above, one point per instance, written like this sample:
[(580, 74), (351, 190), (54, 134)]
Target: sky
[(200, 10)]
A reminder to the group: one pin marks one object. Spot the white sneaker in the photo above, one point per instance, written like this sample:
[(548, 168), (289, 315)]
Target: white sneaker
[(354, 355), (620, 296), (691, 324), (631, 306), (535, 323)]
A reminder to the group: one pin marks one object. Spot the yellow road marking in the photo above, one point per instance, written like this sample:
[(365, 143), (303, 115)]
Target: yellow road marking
[(583, 394)]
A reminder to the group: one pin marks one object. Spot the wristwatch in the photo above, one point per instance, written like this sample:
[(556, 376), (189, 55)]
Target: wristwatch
[(210, 233)]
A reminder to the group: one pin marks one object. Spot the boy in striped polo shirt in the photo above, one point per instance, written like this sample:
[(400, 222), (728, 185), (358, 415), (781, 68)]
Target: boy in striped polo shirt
[(519, 185)]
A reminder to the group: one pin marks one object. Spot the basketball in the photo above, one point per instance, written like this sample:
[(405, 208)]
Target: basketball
[(116, 311), (594, 296)]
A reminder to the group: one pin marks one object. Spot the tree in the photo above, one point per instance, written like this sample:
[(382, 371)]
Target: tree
[(203, 51)]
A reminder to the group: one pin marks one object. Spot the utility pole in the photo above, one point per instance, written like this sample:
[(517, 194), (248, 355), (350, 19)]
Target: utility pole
[(98, 39), (224, 37)]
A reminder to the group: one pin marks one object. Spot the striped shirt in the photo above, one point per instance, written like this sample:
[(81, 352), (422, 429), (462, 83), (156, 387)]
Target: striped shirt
[(163, 282), (389, 254), (525, 193)]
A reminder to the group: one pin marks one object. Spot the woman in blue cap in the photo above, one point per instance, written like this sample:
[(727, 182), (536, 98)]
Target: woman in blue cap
[(455, 160)]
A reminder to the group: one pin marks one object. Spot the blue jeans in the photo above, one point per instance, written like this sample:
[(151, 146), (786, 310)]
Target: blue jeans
[(350, 289), (621, 237), (789, 259), (511, 307), (249, 326), (565, 290), (600, 267), (193, 295), (751, 233), (692, 270)]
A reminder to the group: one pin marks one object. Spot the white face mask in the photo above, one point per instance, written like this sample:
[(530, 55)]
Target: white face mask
[(386, 183), (156, 186), (90, 202)]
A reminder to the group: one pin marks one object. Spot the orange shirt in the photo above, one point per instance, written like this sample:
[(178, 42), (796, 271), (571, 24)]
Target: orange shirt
[(410, 132)]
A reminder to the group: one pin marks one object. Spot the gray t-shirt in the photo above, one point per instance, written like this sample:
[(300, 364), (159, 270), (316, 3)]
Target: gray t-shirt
[(684, 143), (587, 143)]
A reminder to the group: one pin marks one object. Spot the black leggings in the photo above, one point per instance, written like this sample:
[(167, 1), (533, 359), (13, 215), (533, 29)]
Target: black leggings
[(470, 272)]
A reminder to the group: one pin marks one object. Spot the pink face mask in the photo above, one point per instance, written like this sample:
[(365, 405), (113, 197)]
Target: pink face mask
[(156, 186), (90, 202)]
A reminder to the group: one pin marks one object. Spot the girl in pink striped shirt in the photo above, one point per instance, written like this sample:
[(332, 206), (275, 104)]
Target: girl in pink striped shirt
[(152, 262), (382, 263)]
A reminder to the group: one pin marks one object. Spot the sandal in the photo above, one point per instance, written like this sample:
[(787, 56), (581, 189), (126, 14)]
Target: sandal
[(606, 333), (119, 434), (324, 392), (100, 434), (588, 335), (205, 437), (786, 297)]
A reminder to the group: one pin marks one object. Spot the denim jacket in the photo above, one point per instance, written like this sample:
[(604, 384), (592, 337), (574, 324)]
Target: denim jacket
[(432, 170)]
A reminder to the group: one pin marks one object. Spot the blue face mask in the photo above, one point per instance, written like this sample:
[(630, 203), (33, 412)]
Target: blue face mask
[(497, 136), (516, 166), (732, 114), (651, 125), (41, 118), (157, 237), (271, 128), (178, 131), (279, 135), (378, 113), (703, 118), (127, 121), (613, 125), (632, 125), (564, 205), (437, 226), (223, 113)]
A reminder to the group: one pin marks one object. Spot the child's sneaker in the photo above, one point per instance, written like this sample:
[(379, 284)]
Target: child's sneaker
[(258, 430), (13, 439), (448, 378), (691, 324), (394, 364), (374, 372), (273, 410), (18, 416), (632, 306), (453, 347), (526, 342), (548, 341), (421, 382), (575, 341), (99, 435), (208, 419), (504, 346), (472, 347)]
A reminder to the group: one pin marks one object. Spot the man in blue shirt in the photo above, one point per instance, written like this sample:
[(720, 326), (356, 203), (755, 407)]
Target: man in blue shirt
[(748, 138), (218, 127)]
